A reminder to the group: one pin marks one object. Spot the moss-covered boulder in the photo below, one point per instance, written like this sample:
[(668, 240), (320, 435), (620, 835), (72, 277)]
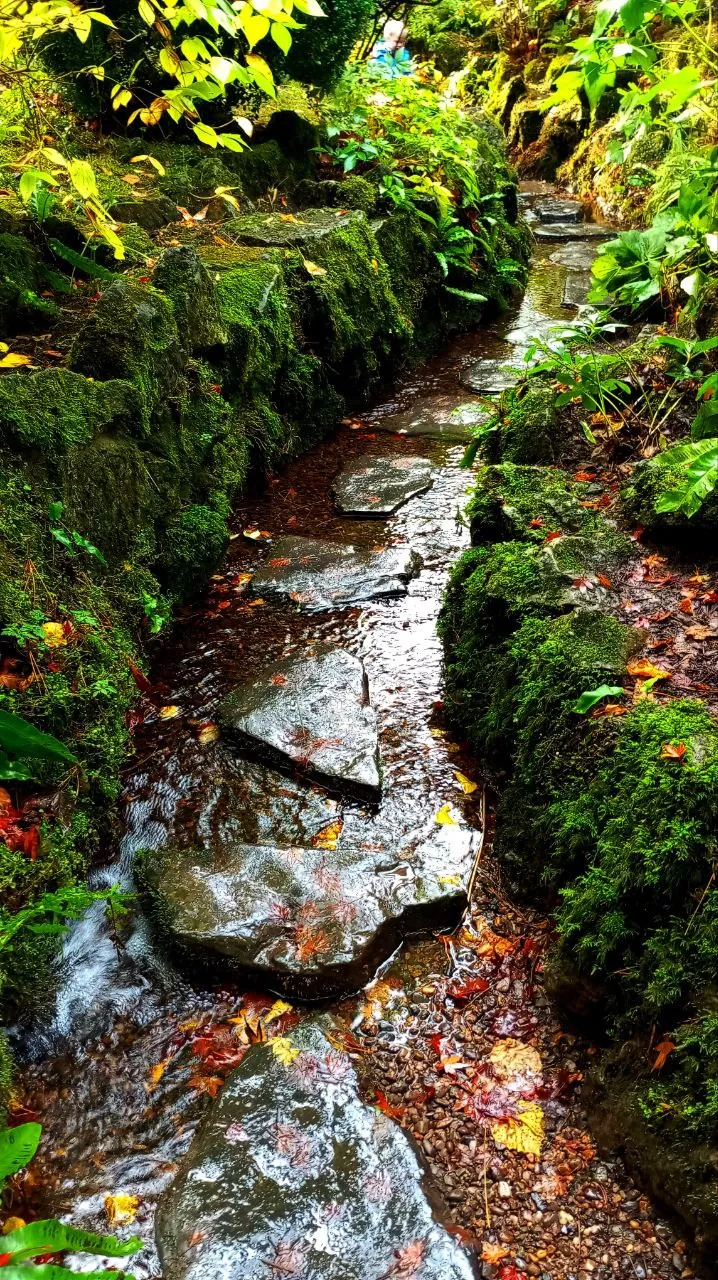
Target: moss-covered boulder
[(182, 276), (132, 335), (191, 548), (531, 429), (54, 409), (21, 306), (652, 480), (517, 502)]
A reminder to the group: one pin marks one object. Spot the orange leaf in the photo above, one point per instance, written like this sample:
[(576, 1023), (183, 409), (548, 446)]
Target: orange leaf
[(645, 668), (671, 752), (686, 605), (663, 1049), (493, 1254), (206, 1084)]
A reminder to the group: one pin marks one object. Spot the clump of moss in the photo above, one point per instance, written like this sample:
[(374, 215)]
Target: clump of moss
[(520, 502), (531, 430), (182, 277), (650, 480), (20, 279), (55, 408), (192, 547)]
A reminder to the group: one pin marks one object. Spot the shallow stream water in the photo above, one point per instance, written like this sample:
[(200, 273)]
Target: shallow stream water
[(110, 1067)]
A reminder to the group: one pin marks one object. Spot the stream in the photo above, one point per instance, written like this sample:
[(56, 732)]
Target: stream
[(114, 1070)]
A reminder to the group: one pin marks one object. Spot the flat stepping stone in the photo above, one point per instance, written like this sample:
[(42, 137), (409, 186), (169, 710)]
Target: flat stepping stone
[(559, 211), (435, 421), (575, 290), (375, 488), (544, 231), (311, 923), (294, 1175), (318, 575), (276, 231), (577, 256), (490, 377), (312, 714)]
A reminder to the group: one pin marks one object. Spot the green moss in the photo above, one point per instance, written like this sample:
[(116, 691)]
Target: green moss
[(255, 311), (181, 275), (192, 547), (55, 409), (407, 247), (521, 502), (21, 306), (531, 428), (7, 1074), (132, 334), (648, 483)]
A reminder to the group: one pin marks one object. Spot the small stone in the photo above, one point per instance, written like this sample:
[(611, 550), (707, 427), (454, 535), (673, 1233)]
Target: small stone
[(504, 1189)]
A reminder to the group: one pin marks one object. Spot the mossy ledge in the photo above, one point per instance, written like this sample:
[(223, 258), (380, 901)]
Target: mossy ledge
[(617, 835), (120, 469)]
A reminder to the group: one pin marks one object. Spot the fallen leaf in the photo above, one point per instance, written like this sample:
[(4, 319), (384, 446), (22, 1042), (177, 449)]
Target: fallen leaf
[(663, 1049), (54, 634), (284, 1051), (328, 836), (671, 752), (444, 817), (168, 712), (513, 1058), (467, 786), (493, 1254), (464, 990), (645, 668), (686, 605), (699, 633), (278, 1009), (523, 1132), (14, 361), (312, 268), (206, 1084), (207, 733), (12, 1224), (382, 1102), (256, 535), (121, 1209), (156, 1074)]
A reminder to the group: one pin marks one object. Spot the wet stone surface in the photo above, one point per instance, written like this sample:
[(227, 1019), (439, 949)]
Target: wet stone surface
[(293, 1174), (575, 290), (318, 575), (311, 922), (561, 211), (312, 714), (576, 256), (438, 419), (376, 487), (562, 231), (490, 377)]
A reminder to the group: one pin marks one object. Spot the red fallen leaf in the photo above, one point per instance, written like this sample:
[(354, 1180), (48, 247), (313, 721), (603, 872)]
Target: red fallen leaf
[(663, 1049), (140, 678), (279, 562), (584, 476), (196, 1238), (605, 582), (661, 616), (19, 839), (223, 604), (551, 537), (709, 597), (536, 524), (144, 279), (638, 533), (310, 942), (582, 584), (510, 1272), (473, 986), (382, 1102), (686, 605), (671, 752), (466, 1237), (278, 679), (206, 1084)]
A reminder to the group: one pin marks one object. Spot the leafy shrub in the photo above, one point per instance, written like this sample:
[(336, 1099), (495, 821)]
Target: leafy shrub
[(319, 52)]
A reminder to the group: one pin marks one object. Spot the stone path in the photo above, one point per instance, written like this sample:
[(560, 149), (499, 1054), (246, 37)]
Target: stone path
[(307, 814)]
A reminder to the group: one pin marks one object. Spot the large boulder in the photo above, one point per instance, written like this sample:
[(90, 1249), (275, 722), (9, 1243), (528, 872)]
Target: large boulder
[(294, 1174), (311, 714), (183, 277)]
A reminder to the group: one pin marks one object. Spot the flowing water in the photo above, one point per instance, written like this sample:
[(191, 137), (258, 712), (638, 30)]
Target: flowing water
[(109, 1069)]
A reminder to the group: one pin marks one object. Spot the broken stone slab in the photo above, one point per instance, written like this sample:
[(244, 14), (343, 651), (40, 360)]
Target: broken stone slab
[(435, 421), (575, 290), (329, 575), (578, 256), (559, 231), (376, 487), (274, 231), (311, 714), (560, 211), (294, 1174), (310, 923), (490, 377)]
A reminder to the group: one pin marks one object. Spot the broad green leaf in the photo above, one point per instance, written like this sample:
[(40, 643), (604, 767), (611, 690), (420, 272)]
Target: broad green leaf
[(20, 738), (54, 1237), (206, 134), (83, 178), (17, 1147), (281, 37), (591, 697), (50, 1271)]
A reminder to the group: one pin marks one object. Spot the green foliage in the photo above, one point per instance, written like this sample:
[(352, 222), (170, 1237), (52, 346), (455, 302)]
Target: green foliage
[(319, 52), (20, 740), (17, 1147), (698, 460), (590, 698)]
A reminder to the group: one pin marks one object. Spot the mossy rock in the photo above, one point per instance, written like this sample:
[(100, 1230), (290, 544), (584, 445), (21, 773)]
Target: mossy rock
[(55, 409), (132, 335), (354, 192), (110, 496), (21, 306), (152, 213), (260, 168), (532, 430), (274, 230), (192, 547), (649, 482), (255, 311), (182, 276), (517, 502), (407, 245)]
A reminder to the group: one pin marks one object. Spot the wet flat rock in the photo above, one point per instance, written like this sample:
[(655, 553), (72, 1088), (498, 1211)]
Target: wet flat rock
[(435, 421), (559, 211), (309, 922), (312, 714), (293, 1174), (377, 487), (328, 575), (577, 256), (575, 290), (545, 231), (489, 377)]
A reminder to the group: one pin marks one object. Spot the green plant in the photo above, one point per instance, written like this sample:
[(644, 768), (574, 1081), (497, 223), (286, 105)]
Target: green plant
[(157, 612), (22, 1246), (50, 913), (699, 461), (70, 539), (20, 740)]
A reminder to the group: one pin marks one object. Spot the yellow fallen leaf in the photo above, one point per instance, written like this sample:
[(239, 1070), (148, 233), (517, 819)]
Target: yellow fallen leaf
[(493, 1254), (168, 713), (467, 786), (284, 1050), (156, 1074), (450, 880), (4, 346), (513, 1058), (444, 817), (278, 1008), (13, 361), (12, 1224), (54, 634), (328, 836), (645, 668), (208, 733), (313, 269), (523, 1132), (121, 1209)]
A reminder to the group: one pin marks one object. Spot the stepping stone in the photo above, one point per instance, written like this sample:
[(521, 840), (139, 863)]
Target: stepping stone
[(435, 421), (312, 714), (328, 575), (559, 211), (571, 231), (575, 290), (577, 256), (377, 487), (490, 377), (311, 923), (294, 1175)]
